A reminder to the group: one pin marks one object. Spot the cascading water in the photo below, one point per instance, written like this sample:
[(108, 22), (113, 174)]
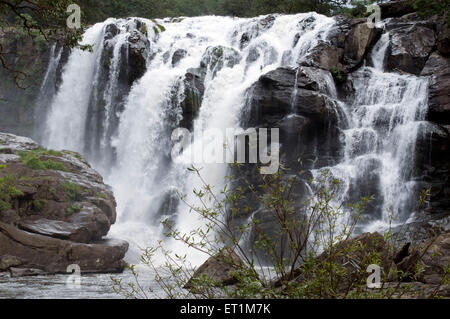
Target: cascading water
[(384, 119), (47, 90), (125, 131), (234, 53)]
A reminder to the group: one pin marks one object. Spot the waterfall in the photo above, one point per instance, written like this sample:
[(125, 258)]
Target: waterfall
[(230, 54), (47, 90), (65, 124), (121, 114), (384, 119)]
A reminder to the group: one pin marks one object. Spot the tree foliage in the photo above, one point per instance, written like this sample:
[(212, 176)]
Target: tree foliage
[(38, 19)]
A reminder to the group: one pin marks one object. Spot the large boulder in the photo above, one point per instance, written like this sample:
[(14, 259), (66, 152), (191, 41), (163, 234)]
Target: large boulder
[(346, 45), (53, 208), (358, 42), (300, 103), (285, 91), (222, 270), (52, 255), (410, 45)]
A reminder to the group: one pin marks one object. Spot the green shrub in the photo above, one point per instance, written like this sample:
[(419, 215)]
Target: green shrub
[(38, 205), (32, 160), (102, 195), (337, 74), (74, 192), (4, 205), (2, 166), (309, 248), (73, 209), (8, 191), (49, 164)]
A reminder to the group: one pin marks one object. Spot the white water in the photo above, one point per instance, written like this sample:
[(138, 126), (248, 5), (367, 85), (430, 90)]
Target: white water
[(384, 120), (66, 120), (142, 176), (380, 127)]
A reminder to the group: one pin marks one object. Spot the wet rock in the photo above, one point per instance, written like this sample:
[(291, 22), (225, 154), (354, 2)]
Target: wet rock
[(255, 28), (325, 56), (358, 42), (51, 255), (219, 269), (177, 56), (346, 46), (54, 209), (438, 68), (8, 261), (275, 96), (410, 46), (111, 30), (26, 272), (138, 51), (443, 38), (11, 144), (56, 229), (432, 256), (421, 230), (432, 166), (216, 58), (435, 255), (193, 96)]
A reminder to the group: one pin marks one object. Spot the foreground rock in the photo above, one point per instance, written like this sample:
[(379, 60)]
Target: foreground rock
[(411, 43), (220, 269), (54, 212), (408, 271)]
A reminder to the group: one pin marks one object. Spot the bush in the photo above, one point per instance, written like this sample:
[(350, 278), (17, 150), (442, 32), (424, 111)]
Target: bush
[(4, 205), (8, 191), (32, 160), (74, 192), (38, 205), (73, 209), (307, 252)]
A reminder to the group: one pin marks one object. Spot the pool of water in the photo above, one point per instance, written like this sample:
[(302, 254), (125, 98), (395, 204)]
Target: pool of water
[(92, 286)]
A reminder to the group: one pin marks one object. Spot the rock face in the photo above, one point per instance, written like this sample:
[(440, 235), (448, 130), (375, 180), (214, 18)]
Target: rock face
[(214, 59), (346, 46), (300, 103), (16, 104), (438, 68), (54, 211), (193, 96), (411, 44), (123, 61)]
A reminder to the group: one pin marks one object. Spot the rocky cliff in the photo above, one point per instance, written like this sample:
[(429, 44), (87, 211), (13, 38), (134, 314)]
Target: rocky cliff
[(55, 211)]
